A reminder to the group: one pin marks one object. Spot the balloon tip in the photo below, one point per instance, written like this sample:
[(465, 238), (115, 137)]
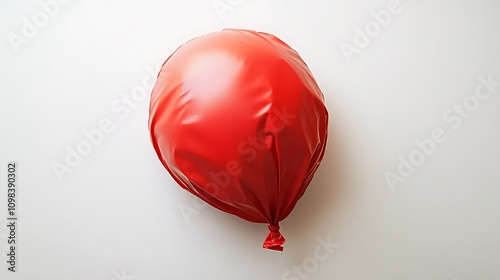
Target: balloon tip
[(274, 239)]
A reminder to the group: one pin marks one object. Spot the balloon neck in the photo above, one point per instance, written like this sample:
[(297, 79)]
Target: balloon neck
[(274, 239)]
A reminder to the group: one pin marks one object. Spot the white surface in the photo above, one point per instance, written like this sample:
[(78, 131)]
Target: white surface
[(117, 214)]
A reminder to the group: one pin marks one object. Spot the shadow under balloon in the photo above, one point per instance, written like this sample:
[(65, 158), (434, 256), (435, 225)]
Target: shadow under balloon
[(313, 212)]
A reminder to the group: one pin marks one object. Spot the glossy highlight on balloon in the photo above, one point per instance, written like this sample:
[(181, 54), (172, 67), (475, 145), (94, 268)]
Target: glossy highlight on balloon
[(237, 119)]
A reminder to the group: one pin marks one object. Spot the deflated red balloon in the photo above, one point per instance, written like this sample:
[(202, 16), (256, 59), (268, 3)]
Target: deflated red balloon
[(238, 120)]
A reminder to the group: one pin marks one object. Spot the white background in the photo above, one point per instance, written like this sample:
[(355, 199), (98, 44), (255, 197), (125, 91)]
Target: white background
[(116, 215)]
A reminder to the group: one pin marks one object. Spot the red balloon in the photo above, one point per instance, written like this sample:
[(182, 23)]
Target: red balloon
[(237, 119)]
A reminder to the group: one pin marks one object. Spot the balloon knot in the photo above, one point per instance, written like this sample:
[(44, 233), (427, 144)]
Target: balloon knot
[(274, 239)]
